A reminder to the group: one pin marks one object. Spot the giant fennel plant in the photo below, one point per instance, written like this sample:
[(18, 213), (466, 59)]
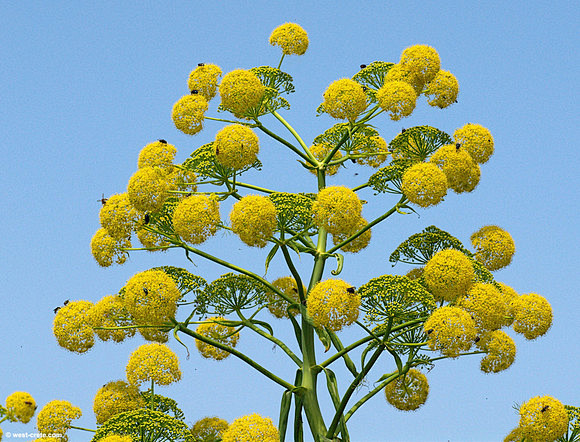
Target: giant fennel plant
[(447, 305)]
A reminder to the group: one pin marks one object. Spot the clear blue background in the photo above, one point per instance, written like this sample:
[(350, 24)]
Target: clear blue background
[(85, 85)]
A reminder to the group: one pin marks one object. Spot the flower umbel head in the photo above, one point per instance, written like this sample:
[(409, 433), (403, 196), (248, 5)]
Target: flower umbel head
[(448, 274), (450, 330), (532, 315), (251, 428), (278, 306), (56, 417), (334, 304), (501, 351), (241, 91), (153, 362), (204, 78), (476, 140), (357, 244), (211, 328), (344, 99), (422, 60), (209, 429), (424, 184), (494, 247), (337, 209), (188, 113), (408, 392), (21, 406), (110, 312), (543, 418), (291, 38), (443, 90), (320, 151), (157, 154), (486, 305), (196, 218), (107, 250), (118, 216), (461, 171), (253, 219), (72, 326), (398, 98), (116, 397), (236, 146), (148, 189)]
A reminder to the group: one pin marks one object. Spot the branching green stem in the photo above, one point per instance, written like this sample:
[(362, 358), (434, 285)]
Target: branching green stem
[(293, 148)]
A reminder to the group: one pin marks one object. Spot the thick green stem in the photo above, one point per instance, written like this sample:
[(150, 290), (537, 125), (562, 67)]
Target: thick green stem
[(287, 144), (370, 394), (83, 429), (309, 156), (253, 187)]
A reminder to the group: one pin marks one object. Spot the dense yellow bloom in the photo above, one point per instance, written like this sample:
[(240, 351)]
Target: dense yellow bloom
[(209, 429), (320, 151), (443, 90), (344, 99), (461, 171), (486, 305), (399, 72), (358, 243), (253, 219), (116, 397), (183, 180), (476, 140), (334, 304), (278, 306), (21, 406), (188, 113), (148, 189), (236, 146), (424, 184), (106, 249), (210, 328), (508, 294), (371, 145), (151, 297), (72, 326), (448, 274), (157, 154), (543, 419), (56, 417), (251, 428), (110, 312), (532, 315), (408, 392), (337, 209), (398, 98), (494, 247), (151, 240), (450, 330), (415, 273), (204, 79), (291, 38), (117, 438), (514, 436), (241, 91), (501, 351), (153, 362), (118, 216), (196, 218), (154, 335), (422, 60)]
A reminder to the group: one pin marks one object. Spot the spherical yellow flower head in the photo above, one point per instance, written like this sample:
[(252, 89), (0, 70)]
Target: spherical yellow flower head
[(153, 362), (196, 218), (21, 406), (359, 242), (236, 146), (241, 91), (415, 273), (461, 171), (514, 436), (204, 79), (106, 250), (118, 216), (157, 154), (331, 304), (72, 326), (337, 209), (450, 330), (448, 274), (151, 297), (110, 312), (147, 189), (399, 72), (443, 90), (291, 38), (251, 428), (397, 98), (116, 438), (320, 151), (344, 99), (508, 294), (408, 392), (209, 429), (422, 60), (188, 113), (56, 417), (532, 315), (151, 240), (494, 247), (218, 332), (486, 305), (424, 184), (116, 397), (279, 307), (543, 419), (476, 140), (253, 219), (372, 144), (501, 351)]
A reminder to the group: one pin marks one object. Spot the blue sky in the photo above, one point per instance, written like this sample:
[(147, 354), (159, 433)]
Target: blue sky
[(85, 85)]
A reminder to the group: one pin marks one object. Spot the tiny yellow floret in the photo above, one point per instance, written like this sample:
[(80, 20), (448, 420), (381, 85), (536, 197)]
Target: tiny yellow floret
[(157, 154), (148, 189), (107, 250), (118, 216)]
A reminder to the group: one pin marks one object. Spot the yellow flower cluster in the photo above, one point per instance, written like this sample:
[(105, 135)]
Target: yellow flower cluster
[(371, 144), (157, 154), (209, 429), (415, 273), (116, 397), (251, 428), (344, 99), (501, 351), (72, 326), (196, 218), (210, 328), (56, 417), (424, 184), (509, 295), (543, 419), (443, 90), (359, 242), (337, 209), (204, 79), (320, 151), (486, 305), (421, 61), (152, 240), (188, 113), (236, 146), (279, 307), (117, 438), (118, 216), (450, 330), (21, 406), (106, 249), (291, 38), (476, 140), (448, 274), (408, 392), (154, 335), (399, 72), (153, 362), (334, 304), (532, 315), (397, 98), (148, 189), (253, 219), (461, 171), (241, 91), (494, 247), (110, 312)]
